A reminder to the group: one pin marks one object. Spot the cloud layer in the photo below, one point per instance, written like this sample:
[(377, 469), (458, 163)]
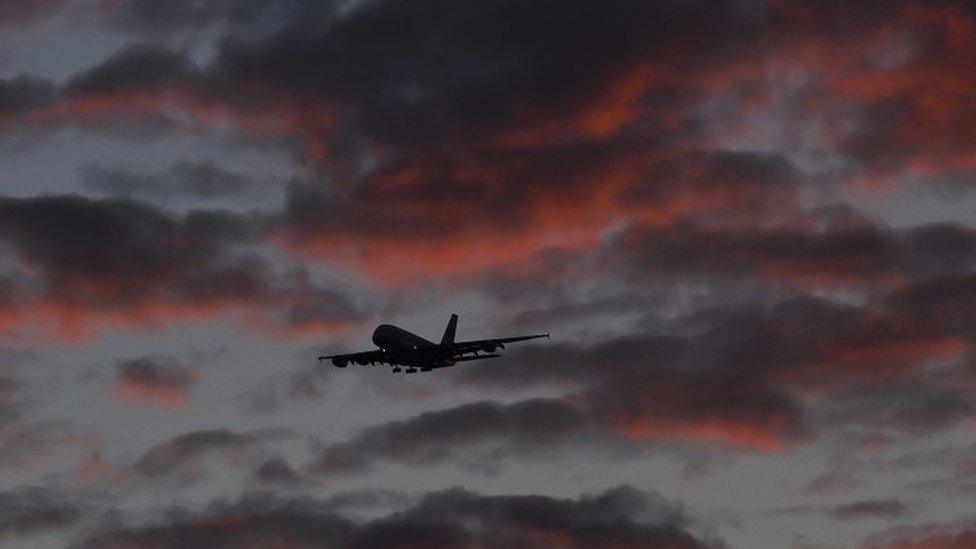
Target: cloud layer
[(746, 224)]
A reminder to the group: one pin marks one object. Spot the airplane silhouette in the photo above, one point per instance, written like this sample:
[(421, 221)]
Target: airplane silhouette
[(398, 347)]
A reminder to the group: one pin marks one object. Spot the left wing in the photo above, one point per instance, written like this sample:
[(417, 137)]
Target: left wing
[(366, 357), (490, 345)]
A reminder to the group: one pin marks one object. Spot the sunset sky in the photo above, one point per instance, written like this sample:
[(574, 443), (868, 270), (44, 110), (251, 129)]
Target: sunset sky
[(749, 225)]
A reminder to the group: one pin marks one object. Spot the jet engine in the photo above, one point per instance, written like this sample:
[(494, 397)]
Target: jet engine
[(340, 362)]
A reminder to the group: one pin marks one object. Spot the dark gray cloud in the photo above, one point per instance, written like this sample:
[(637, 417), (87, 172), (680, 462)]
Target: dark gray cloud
[(19, 96), (155, 378), (827, 255), (620, 517), (663, 384), (881, 508), (182, 454), (277, 472), (128, 262), (135, 67), (942, 301), (11, 397), (444, 72), (29, 511), (72, 238), (105, 255), (450, 434)]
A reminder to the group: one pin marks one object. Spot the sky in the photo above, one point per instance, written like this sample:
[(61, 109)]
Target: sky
[(748, 225)]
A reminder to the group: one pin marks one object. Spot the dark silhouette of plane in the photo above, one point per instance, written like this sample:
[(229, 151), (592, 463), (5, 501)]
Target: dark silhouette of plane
[(398, 347)]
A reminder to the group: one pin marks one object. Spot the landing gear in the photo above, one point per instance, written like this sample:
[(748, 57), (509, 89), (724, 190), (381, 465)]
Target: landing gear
[(411, 370), (397, 369)]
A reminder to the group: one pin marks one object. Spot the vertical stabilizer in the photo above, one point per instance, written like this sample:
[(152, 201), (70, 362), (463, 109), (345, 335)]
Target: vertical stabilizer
[(450, 330)]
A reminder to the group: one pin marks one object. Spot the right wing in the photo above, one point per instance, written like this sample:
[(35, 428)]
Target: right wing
[(363, 358), (489, 345)]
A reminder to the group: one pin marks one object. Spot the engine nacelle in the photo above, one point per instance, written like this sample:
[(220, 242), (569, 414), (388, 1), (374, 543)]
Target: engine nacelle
[(340, 362), (489, 348)]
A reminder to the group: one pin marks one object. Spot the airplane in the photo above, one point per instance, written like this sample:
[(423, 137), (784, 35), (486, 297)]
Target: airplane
[(398, 347)]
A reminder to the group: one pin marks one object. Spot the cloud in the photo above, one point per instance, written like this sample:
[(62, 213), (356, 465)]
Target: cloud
[(11, 397), (961, 535), (880, 87), (276, 471), (180, 16), (370, 499), (458, 80), (657, 409), (659, 387), (585, 73), (620, 517), (449, 434), (915, 113), (182, 454), (21, 95), (757, 374), (182, 181), (514, 187), (817, 251), (749, 377), (154, 379), (663, 71), (489, 151), (438, 215), (125, 259), (98, 263), (19, 12), (21, 98), (769, 369), (30, 511), (885, 509)]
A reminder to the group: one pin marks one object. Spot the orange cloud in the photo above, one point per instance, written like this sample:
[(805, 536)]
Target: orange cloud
[(766, 438), (131, 390)]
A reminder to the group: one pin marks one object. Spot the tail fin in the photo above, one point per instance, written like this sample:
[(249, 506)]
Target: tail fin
[(450, 330)]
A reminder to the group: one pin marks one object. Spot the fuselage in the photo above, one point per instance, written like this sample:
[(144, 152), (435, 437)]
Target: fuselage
[(393, 338), (410, 348)]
